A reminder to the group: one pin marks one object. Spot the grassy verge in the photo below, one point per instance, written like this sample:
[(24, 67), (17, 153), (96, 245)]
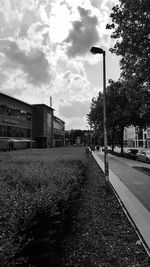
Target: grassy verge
[(37, 190)]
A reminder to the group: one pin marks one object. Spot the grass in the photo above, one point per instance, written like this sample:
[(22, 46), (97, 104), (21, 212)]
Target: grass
[(35, 188), (57, 212)]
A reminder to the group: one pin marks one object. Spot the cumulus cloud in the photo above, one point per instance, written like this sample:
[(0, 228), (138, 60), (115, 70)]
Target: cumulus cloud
[(3, 78), (29, 17), (33, 63), (74, 109), (36, 39), (83, 33)]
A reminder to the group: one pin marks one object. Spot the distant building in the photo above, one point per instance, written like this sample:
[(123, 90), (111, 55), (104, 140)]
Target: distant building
[(23, 125), (137, 137), (58, 132)]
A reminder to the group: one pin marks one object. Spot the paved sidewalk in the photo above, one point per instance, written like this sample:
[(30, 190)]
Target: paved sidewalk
[(140, 216)]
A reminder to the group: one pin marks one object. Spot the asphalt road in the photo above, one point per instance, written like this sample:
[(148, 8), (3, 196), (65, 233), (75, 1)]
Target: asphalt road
[(137, 181)]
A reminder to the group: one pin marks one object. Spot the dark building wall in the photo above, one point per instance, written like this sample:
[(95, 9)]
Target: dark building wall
[(38, 121), (43, 125)]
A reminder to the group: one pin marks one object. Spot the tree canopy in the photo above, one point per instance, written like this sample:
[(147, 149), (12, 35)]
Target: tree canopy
[(130, 21), (125, 106)]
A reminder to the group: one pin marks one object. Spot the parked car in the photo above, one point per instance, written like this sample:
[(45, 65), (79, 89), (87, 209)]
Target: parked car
[(131, 153), (143, 155)]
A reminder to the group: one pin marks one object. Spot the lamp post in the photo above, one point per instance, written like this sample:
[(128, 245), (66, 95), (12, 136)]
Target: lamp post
[(97, 50)]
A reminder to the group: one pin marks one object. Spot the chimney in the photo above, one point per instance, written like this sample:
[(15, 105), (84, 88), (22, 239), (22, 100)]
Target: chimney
[(50, 101)]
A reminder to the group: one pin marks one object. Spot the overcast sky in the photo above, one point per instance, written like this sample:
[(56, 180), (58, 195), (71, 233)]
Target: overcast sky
[(45, 51)]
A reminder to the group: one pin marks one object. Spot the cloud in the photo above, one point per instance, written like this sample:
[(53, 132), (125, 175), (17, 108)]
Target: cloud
[(3, 78), (29, 17), (74, 109), (76, 123), (33, 63), (18, 16), (83, 33)]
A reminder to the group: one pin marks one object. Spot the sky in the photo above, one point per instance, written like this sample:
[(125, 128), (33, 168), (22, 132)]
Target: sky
[(45, 51)]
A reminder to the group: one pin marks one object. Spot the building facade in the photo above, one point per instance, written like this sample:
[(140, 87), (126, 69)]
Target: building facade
[(137, 137), (43, 125), (26, 126), (15, 123), (58, 132)]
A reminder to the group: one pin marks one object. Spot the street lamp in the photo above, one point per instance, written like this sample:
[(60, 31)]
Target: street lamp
[(97, 50)]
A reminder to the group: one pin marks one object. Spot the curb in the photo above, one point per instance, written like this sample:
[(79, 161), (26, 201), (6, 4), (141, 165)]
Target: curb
[(138, 215)]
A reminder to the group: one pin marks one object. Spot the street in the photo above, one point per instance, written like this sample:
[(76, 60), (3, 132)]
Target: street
[(137, 181)]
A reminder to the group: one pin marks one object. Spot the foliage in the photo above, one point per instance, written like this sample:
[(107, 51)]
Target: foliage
[(125, 106), (117, 107), (95, 118), (35, 190), (131, 30), (73, 134)]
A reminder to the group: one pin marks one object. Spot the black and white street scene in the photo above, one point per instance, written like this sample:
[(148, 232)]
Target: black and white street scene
[(75, 133)]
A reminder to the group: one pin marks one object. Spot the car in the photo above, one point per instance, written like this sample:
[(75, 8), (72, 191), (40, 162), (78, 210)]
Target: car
[(131, 153), (143, 155)]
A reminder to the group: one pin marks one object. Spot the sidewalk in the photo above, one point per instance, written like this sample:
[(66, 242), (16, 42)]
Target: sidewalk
[(138, 214)]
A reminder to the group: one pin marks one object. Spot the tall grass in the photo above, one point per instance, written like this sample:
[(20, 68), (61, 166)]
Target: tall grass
[(31, 183)]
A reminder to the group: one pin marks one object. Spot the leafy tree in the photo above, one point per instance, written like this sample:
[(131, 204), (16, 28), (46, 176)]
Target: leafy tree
[(117, 107), (125, 106), (95, 118), (130, 21)]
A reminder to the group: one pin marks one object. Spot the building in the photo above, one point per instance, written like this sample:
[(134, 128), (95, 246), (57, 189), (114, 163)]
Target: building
[(137, 137), (43, 125), (15, 123), (25, 126), (58, 132)]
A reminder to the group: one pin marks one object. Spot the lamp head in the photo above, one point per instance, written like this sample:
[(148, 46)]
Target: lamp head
[(96, 50)]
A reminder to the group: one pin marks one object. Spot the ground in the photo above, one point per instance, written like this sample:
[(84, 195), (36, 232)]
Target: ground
[(78, 221), (101, 234)]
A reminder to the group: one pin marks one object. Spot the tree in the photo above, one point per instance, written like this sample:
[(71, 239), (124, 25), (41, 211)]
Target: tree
[(117, 107), (125, 106), (95, 118), (131, 29), (118, 110)]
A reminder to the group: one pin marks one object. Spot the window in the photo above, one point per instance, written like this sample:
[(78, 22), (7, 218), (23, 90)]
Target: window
[(148, 133), (29, 116), (2, 109), (23, 115), (3, 130)]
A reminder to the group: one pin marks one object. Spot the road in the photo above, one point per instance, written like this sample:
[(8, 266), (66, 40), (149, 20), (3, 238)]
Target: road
[(137, 181)]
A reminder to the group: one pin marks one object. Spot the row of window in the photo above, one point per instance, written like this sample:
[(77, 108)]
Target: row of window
[(58, 136), (15, 113), (11, 131), (57, 131)]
